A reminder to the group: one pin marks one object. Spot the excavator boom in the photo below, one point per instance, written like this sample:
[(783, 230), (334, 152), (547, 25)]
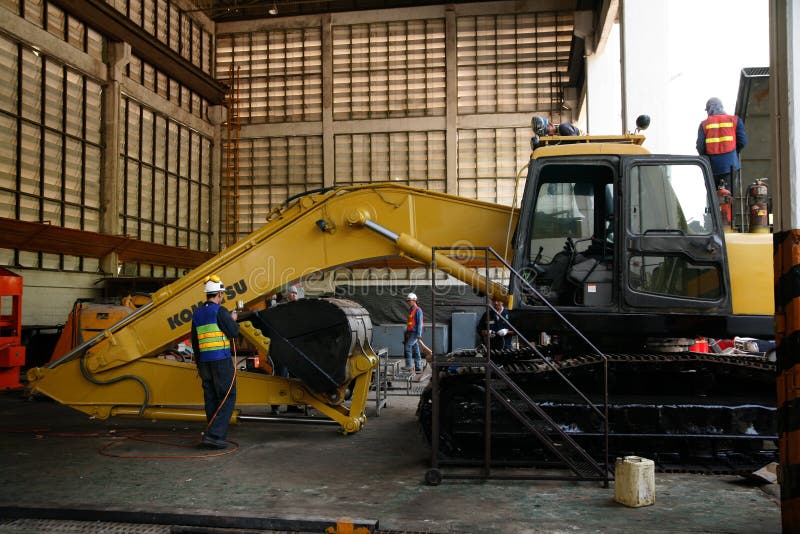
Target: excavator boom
[(316, 232)]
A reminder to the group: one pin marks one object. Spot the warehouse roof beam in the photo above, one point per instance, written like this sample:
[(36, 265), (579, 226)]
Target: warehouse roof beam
[(105, 19)]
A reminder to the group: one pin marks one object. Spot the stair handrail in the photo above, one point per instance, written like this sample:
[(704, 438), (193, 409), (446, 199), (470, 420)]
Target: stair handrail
[(552, 308), (543, 415), (489, 251)]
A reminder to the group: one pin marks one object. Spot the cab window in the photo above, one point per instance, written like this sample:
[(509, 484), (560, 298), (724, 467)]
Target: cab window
[(670, 202), (669, 198), (563, 210)]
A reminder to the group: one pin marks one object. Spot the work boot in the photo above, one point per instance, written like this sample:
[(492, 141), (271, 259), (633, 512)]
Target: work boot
[(213, 443)]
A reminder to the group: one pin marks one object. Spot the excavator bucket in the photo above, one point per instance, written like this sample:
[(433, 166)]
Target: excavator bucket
[(313, 338)]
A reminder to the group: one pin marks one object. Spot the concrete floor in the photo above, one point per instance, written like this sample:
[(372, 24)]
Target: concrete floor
[(54, 457)]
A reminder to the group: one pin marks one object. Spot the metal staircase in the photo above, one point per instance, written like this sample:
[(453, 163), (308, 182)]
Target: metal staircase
[(547, 431), (501, 388)]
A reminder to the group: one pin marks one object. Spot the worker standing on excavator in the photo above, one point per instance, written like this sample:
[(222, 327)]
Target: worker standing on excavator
[(213, 330), (413, 333), (721, 137), (544, 127)]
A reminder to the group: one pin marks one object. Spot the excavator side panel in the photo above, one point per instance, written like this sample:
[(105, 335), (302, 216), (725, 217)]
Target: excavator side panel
[(86, 320), (751, 267), (163, 383)]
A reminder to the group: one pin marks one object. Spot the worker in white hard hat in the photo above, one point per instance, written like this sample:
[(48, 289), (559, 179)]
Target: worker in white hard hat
[(413, 333), (213, 330)]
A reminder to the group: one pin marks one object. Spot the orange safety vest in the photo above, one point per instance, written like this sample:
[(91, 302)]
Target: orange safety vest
[(720, 133), (411, 322)]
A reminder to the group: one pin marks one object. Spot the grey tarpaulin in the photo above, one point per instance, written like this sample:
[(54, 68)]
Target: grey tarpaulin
[(387, 304)]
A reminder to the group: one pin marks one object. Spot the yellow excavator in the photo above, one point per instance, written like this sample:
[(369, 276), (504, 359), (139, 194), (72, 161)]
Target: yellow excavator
[(628, 247), (119, 372)]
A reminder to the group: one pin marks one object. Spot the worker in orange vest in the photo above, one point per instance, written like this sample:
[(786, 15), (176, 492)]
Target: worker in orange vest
[(413, 333), (721, 137)]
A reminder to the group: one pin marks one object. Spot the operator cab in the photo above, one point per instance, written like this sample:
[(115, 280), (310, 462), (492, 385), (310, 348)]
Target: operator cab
[(571, 235), (607, 227)]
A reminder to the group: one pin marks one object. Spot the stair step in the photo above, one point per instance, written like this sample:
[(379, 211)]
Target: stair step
[(587, 469), (534, 417), (498, 384)]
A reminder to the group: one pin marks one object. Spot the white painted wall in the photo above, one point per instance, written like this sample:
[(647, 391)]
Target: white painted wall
[(47, 299), (670, 70), (603, 97), (786, 110)]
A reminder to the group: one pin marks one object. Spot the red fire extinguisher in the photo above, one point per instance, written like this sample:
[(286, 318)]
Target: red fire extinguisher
[(759, 211), (725, 208)]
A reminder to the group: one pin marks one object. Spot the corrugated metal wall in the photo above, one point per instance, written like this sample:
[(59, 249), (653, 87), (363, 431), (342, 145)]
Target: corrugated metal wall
[(272, 169), (391, 114), (280, 73), (389, 69), (512, 62), (52, 143), (388, 94), (166, 182), (50, 136)]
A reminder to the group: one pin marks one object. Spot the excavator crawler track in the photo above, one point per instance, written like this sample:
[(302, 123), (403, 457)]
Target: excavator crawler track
[(689, 412)]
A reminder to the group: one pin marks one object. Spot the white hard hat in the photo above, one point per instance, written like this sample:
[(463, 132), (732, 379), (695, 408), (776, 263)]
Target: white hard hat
[(411, 296), (293, 289), (214, 285)]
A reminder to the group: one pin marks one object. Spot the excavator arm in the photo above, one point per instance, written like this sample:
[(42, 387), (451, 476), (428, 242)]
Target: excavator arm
[(119, 373)]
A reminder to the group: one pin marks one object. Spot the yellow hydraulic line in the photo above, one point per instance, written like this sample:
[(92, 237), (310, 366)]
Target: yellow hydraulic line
[(172, 414), (422, 252), (415, 248)]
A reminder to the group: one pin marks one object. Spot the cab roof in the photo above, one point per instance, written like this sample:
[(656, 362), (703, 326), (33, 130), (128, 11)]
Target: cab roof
[(589, 144)]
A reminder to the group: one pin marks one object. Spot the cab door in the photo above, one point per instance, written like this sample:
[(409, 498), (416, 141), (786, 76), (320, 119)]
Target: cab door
[(673, 255)]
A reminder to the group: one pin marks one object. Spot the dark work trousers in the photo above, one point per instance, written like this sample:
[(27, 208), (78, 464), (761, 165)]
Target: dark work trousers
[(217, 377)]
